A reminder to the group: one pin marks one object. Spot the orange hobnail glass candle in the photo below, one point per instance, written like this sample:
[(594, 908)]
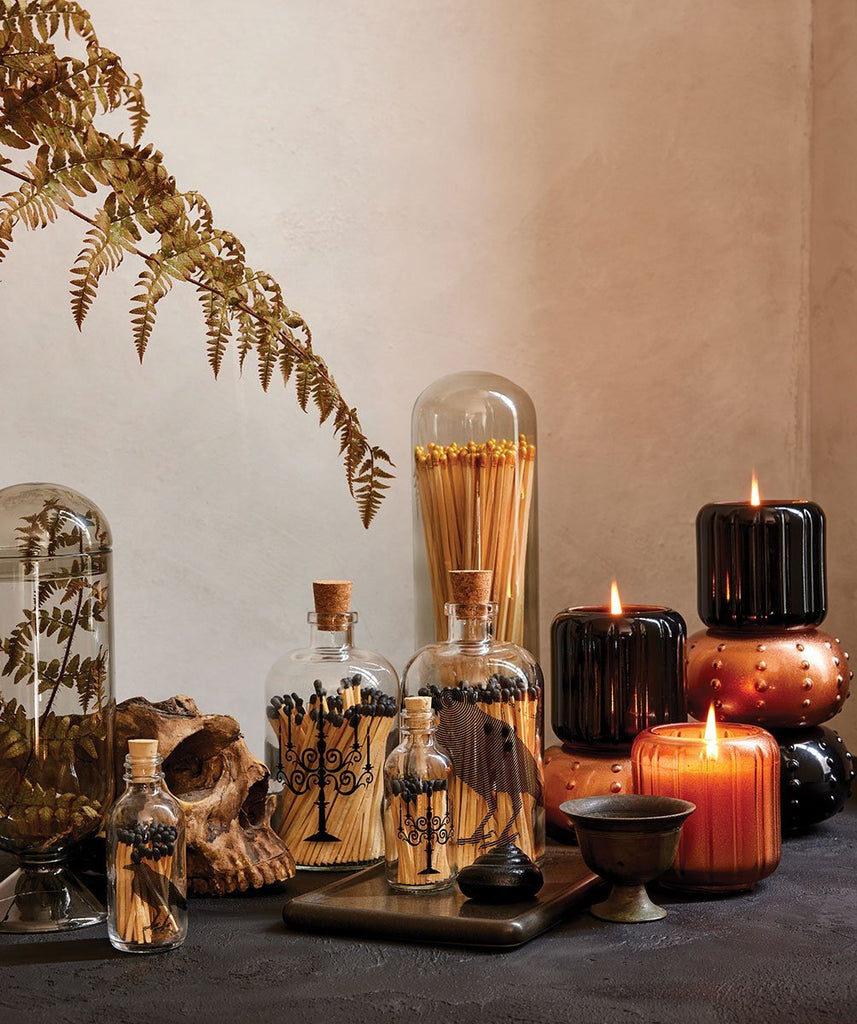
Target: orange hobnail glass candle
[(733, 839)]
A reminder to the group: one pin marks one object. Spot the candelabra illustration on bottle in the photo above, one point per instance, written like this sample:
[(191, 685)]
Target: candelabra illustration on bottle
[(331, 751), (421, 825)]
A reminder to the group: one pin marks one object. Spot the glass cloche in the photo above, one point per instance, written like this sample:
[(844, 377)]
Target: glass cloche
[(56, 699), (475, 501)]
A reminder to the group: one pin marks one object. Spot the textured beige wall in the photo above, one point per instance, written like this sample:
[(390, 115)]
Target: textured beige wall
[(834, 311), (607, 201), (670, 320)]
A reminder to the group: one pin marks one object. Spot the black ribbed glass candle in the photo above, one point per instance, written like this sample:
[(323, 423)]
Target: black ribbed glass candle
[(616, 674), (761, 565)]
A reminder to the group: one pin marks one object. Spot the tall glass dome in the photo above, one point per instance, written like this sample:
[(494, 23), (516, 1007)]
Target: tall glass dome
[(475, 500), (56, 699)]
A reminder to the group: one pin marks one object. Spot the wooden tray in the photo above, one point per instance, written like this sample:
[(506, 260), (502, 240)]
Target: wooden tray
[(363, 904)]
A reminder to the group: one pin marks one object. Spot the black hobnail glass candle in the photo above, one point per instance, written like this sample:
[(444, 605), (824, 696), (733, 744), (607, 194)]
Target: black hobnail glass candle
[(817, 773), (761, 565), (616, 674)]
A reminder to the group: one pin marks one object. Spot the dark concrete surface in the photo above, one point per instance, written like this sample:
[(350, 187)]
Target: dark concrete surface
[(784, 954)]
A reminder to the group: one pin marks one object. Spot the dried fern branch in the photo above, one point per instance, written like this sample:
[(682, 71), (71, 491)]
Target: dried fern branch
[(48, 105)]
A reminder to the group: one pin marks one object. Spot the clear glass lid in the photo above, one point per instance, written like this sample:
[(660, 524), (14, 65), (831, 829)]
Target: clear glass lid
[(473, 405), (40, 520)]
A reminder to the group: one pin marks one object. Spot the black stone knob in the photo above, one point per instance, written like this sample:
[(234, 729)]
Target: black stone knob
[(503, 875)]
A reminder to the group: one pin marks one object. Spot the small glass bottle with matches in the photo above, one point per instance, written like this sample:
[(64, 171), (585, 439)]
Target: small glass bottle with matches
[(146, 871), (420, 848)]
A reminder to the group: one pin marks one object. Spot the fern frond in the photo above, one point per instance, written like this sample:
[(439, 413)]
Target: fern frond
[(90, 680), (246, 335), (5, 238), (105, 245), (50, 101), (191, 253), (218, 328), (136, 107), (79, 88), (303, 383), (324, 397), (286, 360), (53, 15), (56, 179), (154, 284), (266, 352)]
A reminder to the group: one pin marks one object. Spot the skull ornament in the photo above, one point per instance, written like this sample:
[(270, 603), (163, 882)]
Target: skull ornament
[(222, 788)]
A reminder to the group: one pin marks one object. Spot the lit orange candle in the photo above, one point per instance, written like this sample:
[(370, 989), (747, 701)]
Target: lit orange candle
[(732, 774)]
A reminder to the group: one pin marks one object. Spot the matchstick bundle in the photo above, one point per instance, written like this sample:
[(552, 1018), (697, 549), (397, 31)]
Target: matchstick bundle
[(492, 732), (149, 887), (421, 829), (332, 765), (475, 507)]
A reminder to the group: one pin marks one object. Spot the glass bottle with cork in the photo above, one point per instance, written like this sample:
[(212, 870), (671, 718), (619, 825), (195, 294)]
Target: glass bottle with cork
[(420, 847), (489, 699), (146, 870), (331, 714)]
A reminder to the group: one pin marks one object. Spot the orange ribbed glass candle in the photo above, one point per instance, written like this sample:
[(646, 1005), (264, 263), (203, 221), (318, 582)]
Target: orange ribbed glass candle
[(733, 839)]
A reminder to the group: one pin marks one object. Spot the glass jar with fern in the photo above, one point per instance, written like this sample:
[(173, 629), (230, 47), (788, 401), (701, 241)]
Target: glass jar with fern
[(56, 699)]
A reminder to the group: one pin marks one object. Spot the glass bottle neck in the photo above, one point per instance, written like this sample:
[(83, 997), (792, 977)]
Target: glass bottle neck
[(151, 782), (469, 629), (151, 785), (418, 737), (331, 634), (331, 639), (143, 774)]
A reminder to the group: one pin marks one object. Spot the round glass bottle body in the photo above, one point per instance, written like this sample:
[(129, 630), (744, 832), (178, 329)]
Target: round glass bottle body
[(331, 721), (475, 500), (489, 700), (418, 830), (146, 865), (56, 699)]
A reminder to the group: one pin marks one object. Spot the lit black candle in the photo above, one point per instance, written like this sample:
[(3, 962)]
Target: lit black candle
[(616, 671), (761, 563)]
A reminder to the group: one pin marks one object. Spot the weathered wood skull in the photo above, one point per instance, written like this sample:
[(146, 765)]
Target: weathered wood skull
[(222, 787)]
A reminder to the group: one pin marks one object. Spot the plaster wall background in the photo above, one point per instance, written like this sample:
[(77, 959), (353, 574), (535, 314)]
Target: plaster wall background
[(608, 203), (834, 311)]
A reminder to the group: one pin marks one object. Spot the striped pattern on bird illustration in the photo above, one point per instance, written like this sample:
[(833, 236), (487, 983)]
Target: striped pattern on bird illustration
[(492, 734)]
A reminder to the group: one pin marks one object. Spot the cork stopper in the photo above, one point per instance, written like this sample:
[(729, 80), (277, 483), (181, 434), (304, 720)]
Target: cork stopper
[(417, 705), (332, 601), (142, 755), (471, 586), (419, 715)]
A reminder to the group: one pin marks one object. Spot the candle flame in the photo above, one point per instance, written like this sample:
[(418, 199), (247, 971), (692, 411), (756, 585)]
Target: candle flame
[(754, 490), (615, 603), (710, 736)]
